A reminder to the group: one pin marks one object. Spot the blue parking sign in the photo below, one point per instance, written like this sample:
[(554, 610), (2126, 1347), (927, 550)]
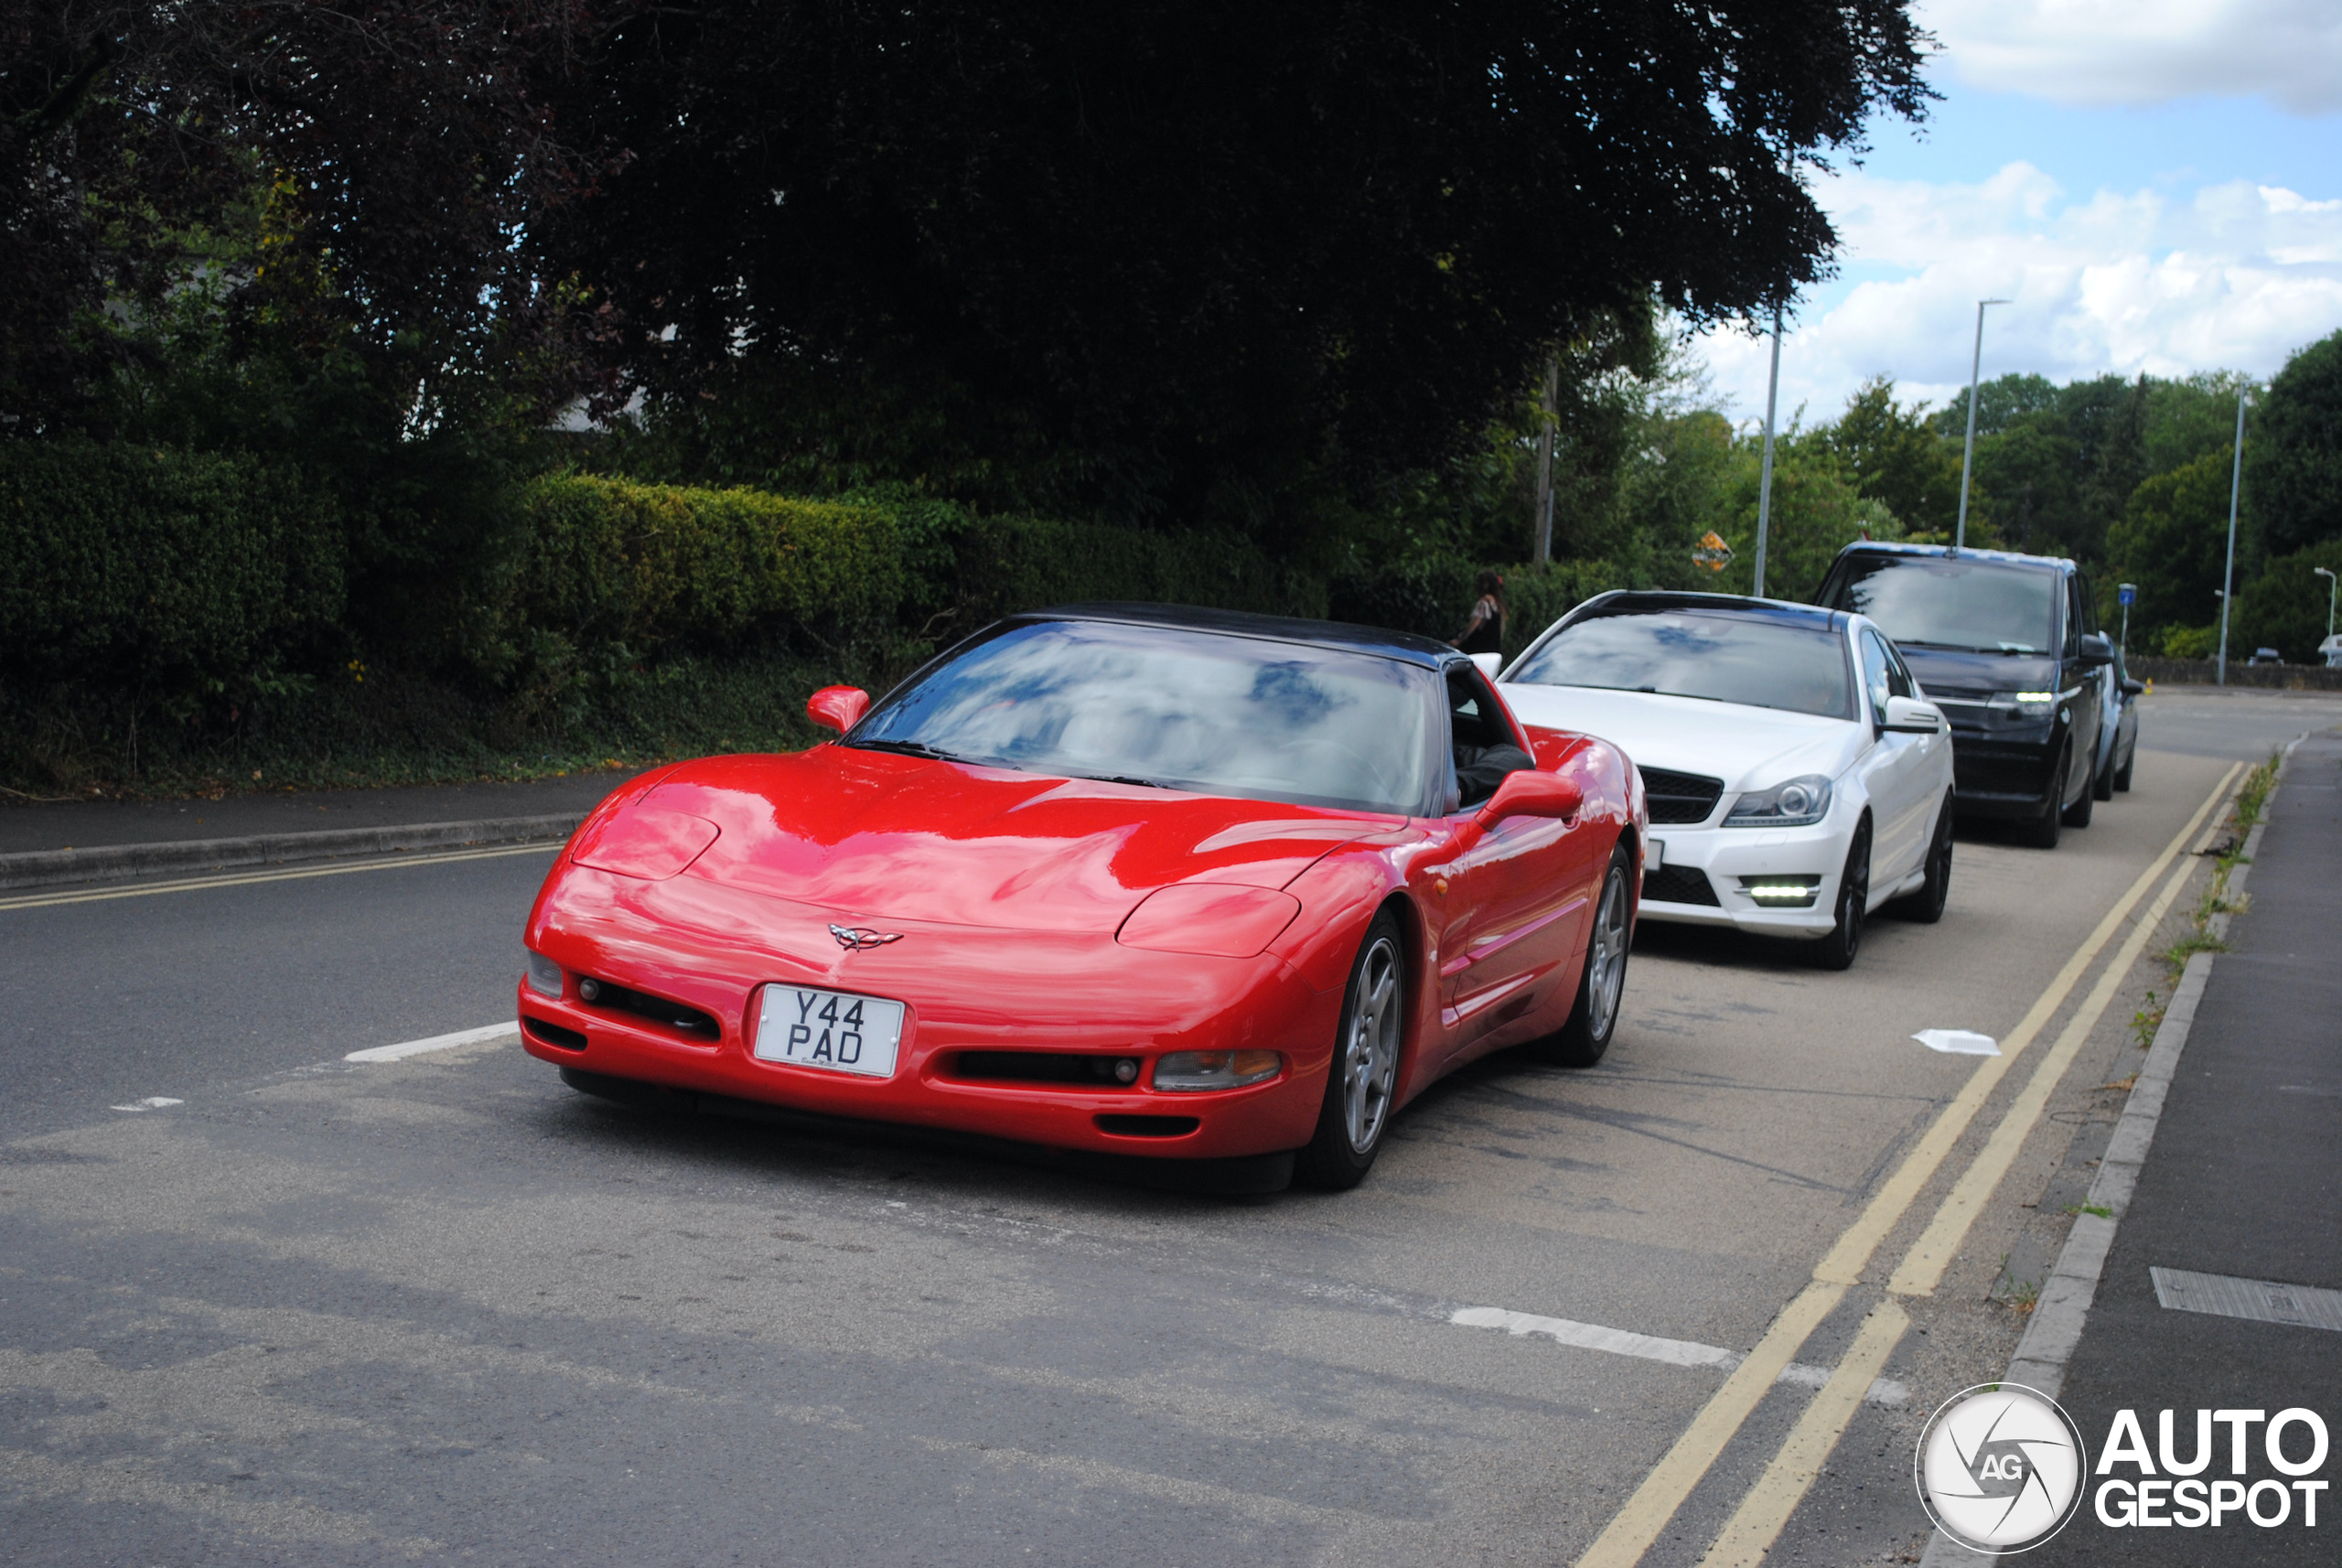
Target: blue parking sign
[(2127, 593)]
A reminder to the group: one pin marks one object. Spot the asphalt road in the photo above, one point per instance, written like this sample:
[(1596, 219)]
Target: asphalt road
[(444, 1310)]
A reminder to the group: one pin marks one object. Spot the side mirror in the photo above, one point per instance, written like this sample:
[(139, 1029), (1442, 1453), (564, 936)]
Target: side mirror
[(1490, 664), (1909, 715), (2133, 687), (1530, 793), (838, 707), (2096, 650)]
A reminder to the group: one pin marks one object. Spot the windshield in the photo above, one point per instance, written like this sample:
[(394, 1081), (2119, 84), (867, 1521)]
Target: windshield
[(1189, 710), (1725, 658), (1981, 605)]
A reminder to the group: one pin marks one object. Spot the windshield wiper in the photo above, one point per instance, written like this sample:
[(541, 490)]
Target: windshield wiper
[(907, 748), (1123, 779)]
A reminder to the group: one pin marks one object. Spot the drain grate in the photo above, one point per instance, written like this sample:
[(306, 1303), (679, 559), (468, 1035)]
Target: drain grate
[(2262, 1300)]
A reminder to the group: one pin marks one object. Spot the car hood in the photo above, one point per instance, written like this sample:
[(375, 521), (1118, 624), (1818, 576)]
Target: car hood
[(1948, 673), (881, 836), (1749, 748)]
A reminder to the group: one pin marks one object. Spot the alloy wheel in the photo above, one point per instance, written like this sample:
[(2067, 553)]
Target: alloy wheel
[(1370, 1054), (1607, 957)]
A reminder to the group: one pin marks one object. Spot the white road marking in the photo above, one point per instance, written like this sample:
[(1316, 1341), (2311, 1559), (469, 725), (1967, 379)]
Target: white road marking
[(199, 883), (152, 1102), (1957, 1042), (405, 1049), (1649, 1348)]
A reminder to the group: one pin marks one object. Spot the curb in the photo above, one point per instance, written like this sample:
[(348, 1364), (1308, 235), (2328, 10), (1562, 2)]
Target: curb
[(2055, 1332), (114, 863)]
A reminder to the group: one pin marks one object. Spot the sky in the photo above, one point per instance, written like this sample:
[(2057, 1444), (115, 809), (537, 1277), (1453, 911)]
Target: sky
[(2153, 185)]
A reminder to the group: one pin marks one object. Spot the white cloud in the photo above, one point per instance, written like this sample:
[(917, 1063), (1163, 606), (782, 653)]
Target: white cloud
[(2232, 275), (2146, 51)]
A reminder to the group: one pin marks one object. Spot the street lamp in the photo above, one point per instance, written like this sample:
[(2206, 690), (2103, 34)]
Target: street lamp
[(2228, 572), (2126, 592), (2331, 583), (1765, 480), (1968, 453)]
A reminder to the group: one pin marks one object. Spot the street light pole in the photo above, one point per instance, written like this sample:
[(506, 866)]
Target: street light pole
[(2228, 572), (1545, 456), (2331, 583), (2128, 591), (1968, 451), (1765, 478)]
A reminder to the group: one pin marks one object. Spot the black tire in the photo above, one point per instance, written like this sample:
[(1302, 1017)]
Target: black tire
[(2102, 785), (2043, 830), (2077, 815), (1364, 1071), (1926, 906), (1837, 950), (2122, 774), (1602, 984)]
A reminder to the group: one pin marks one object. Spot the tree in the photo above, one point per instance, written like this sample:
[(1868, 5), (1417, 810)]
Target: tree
[(1896, 459), (1217, 252), (355, 175), (2173, 542), (2293, 451)]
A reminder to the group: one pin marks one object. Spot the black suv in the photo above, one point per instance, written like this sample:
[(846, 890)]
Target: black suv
[(2008, 647)]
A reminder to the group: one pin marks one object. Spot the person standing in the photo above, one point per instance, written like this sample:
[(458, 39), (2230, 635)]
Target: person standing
[(1484, 633)]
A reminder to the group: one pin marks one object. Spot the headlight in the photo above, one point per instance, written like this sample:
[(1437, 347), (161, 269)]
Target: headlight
[(1185, 1072), (544, 975), (1797, 804)]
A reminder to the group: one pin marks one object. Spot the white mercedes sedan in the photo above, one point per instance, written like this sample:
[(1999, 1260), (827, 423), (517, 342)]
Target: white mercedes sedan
[(1797, 778)]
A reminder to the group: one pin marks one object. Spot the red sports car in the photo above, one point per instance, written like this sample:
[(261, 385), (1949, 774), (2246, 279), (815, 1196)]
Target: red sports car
[(1108, 877)]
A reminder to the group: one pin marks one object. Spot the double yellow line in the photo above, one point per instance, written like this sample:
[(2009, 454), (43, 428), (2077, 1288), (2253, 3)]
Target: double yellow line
[(199, 883), (1757, 1522)]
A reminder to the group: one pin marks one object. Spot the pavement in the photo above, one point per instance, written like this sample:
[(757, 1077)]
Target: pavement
[(27, 827), (261, 1302), (2243, 1181)]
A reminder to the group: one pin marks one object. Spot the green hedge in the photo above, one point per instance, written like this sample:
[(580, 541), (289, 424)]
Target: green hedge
[(606, 561), (145, 565)]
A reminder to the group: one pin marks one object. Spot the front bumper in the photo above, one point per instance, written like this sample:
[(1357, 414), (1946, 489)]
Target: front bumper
[(1709, 863), (712, 947)]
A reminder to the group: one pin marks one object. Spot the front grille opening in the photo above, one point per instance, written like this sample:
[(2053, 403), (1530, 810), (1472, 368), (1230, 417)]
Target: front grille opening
[(1058, 1069), (554, 1034), (1679, 885), (1148, 1126), (643, 1005), (1680, 797)]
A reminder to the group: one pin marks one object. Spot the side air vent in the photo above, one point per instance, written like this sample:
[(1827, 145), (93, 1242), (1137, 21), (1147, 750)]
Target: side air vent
[(553, 1033), (1681, 798)]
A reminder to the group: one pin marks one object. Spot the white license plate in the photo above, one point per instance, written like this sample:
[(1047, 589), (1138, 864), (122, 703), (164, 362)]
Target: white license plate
[(833, 1030)]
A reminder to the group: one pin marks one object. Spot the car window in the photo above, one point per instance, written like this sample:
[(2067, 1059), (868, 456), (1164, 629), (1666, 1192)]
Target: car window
[(1934, 601), (1760, 660), (2076, 616), (1899, 681), (1484, 744), (1215, 712), (1879, 675)]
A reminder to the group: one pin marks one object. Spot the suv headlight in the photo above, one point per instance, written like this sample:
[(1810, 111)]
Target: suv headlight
[(1796, 804)]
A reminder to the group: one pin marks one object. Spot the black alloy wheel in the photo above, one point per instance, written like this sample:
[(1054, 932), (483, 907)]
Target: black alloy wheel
[(2122, 774), (1594, 1017), (1925, 905), (2043, 830), (2101, 784), (1837, 950), (1364, 1073)]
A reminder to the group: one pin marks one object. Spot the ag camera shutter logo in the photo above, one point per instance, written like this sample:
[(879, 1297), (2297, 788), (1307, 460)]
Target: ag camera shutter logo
[(2000, 1469)]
